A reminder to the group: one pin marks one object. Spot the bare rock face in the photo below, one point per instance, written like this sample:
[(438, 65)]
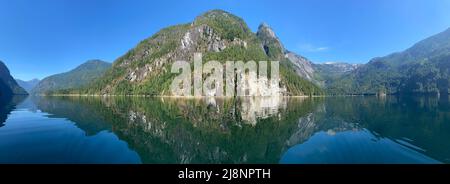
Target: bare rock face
[(205, 38), (303, 67), (215, 43), (264, 28), (139, 74)]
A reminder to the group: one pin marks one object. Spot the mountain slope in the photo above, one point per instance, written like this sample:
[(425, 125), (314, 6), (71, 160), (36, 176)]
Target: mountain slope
[(217, 34), (423, 68), (327, 73), (8, 86), (303, 67), (76, 78), (295, 70), (318, 74), (28, 85)]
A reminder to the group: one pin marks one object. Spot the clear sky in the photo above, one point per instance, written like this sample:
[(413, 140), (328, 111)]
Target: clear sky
[(43, 37)]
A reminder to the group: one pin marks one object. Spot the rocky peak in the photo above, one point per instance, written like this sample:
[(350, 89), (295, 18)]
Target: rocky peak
[(270, 42), (265, 30), (275, 50)]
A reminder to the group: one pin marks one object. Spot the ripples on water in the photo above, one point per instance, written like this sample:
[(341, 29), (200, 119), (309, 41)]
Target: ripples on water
[(224, 130)]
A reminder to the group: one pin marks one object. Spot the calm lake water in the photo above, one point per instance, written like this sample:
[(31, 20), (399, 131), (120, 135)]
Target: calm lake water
[(246, 130)]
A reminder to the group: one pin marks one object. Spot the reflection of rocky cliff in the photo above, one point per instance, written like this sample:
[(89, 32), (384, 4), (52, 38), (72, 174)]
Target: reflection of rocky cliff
[(261, 108)]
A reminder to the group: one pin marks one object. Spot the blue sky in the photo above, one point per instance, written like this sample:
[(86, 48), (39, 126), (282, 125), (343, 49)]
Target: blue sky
[(43, 37)]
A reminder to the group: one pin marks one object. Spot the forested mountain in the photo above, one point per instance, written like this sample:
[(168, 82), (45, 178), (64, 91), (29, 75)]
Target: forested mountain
[(8, 86), (76, 78), (218, 35), (422, 69)]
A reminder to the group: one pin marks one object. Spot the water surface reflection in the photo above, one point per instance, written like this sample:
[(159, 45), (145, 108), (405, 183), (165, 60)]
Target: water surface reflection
[(225, 130)]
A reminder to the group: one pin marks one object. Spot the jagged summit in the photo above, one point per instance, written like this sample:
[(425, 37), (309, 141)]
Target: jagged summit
[(265, 29), (271, 44), (264, 24)]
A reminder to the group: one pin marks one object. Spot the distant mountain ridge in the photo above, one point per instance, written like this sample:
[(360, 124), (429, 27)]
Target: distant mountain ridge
[(8, 86), (76, 78), (28, 85), (318, 74), (423, 68), (327, 73), (303, 67)]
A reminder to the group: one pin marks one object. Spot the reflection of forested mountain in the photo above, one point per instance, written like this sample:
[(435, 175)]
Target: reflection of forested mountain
[(5, 109), (318, 121), (89, 114), (190, 131), (7, 104), (420, 121), (170, 130)]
